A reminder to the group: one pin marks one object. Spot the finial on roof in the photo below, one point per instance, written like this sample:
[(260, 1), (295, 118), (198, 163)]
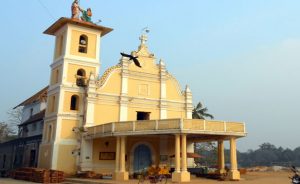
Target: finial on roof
[(187, 89), (161, 62), (92, 76)]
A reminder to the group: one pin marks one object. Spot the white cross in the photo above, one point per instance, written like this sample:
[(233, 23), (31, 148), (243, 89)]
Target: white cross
[(143, 39)]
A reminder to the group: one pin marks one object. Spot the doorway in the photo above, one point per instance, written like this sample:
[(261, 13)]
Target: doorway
[(32, 158), (142, 158)]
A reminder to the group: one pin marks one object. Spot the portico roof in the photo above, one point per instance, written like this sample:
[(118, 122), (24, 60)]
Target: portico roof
[(192, 127)]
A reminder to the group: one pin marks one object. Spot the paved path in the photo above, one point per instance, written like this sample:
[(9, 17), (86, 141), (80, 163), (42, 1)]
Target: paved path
[(12, 181)]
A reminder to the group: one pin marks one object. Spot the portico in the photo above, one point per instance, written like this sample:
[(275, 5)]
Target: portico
[(177, 132)]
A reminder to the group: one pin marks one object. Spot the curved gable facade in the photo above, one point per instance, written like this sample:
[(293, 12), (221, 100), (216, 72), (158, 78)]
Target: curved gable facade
[(125, 90)]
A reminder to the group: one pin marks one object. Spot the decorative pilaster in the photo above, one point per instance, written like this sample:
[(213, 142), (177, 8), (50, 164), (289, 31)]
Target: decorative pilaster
[(86, 155), (188, 102), (124, 90), (190, 149), (163, 90), (90, 98)]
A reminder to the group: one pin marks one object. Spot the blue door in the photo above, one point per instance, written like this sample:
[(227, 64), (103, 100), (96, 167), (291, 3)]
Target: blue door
[(142, 158)]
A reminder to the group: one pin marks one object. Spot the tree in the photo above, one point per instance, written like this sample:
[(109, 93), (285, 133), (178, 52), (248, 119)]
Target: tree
[(200, 112), (208, 149), (5, 131), (14, 118)]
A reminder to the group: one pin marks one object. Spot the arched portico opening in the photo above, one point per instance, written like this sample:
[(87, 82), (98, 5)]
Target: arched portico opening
[(141, 158)]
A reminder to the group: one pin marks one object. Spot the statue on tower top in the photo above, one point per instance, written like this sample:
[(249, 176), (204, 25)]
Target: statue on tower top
[(86, 14), (75, 9)]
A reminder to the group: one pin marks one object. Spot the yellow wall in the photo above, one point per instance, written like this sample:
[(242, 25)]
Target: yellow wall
[(113, 84), (175, 114), (139, 88), (66, 129), (91, 47), (45, 153), (66, 161), (105, 113), (103, 166), (172, 90), (72, 71)]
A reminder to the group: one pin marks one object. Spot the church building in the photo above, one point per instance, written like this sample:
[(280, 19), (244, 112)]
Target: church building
[(125, 120)]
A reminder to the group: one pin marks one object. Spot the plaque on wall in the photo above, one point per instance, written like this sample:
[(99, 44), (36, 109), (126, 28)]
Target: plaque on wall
[(107, 156), (163, 158)]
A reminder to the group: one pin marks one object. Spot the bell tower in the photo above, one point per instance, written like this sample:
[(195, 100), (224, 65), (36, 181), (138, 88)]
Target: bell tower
[(76, 57)]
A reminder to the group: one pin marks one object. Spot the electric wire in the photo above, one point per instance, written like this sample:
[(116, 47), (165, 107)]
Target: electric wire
[(47, 10)]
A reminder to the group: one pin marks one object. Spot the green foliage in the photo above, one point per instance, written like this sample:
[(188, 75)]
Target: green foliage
[(209, 152), (200, 112), (6, 132), (266, 155)]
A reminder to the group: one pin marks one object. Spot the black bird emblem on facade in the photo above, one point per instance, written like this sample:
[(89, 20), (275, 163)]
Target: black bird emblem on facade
[(134, 59)]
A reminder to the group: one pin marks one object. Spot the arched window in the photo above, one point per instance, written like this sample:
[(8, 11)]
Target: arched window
[(74, 102), (81, 72), (80, 78), (83, 43)]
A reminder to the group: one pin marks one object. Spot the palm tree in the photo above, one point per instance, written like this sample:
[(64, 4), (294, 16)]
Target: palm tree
[(200, 112)]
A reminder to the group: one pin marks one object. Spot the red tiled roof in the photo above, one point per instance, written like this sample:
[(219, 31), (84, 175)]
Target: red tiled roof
[(41, 95)]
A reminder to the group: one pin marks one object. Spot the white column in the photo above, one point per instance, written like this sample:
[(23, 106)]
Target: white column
[(190, 149), (117, 162), (234, 174), (183, 153), (177, 153), (180, 175), (122, 154), (221, 157)]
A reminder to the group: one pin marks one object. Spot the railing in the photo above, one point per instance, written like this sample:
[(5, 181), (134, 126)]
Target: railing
[(188, 125)]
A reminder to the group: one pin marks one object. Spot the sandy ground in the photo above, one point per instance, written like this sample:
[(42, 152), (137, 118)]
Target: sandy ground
[(249, 178), (257, 178)]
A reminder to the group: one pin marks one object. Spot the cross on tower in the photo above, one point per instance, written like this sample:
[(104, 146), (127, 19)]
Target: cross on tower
[(143, 39)]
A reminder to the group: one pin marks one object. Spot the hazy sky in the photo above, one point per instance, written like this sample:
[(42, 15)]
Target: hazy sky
[(240, 58)]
